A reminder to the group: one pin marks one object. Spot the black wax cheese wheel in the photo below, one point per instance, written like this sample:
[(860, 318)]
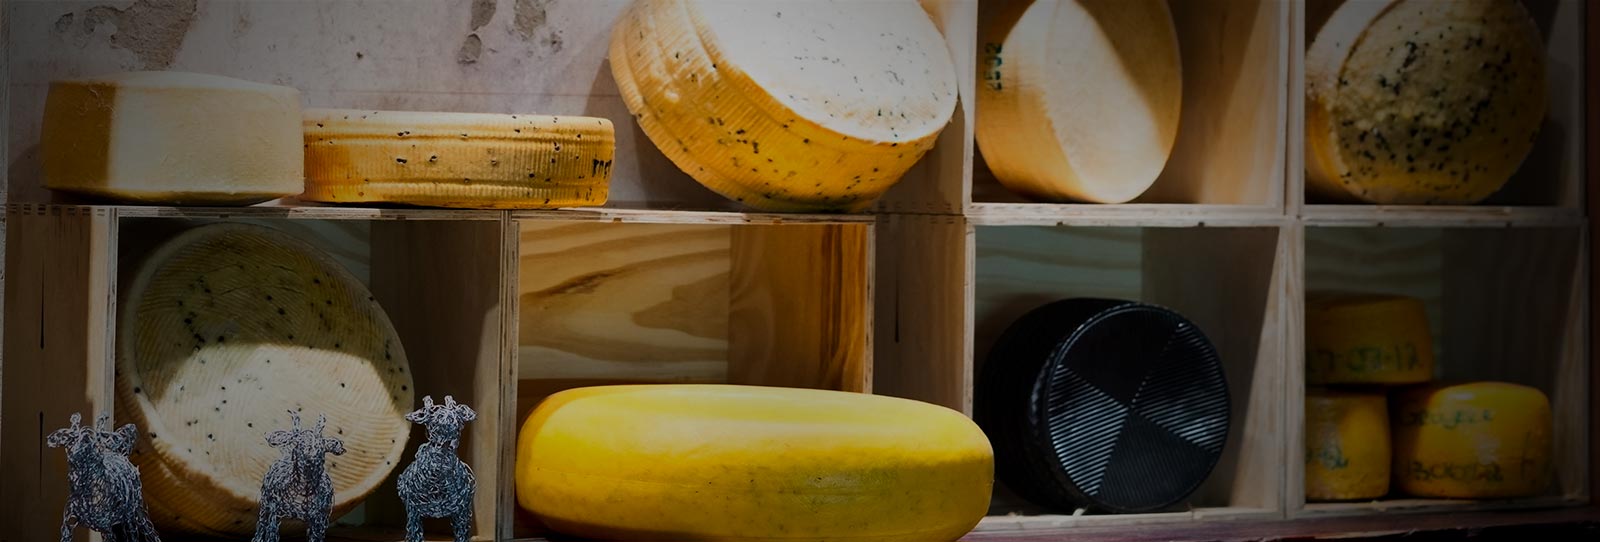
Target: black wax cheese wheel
[(1102, 404)]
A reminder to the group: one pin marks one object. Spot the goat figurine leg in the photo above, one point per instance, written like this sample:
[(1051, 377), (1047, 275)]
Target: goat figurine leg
[(317, 528), (462, 524), (266, 524), (68, 523), (413, 526)]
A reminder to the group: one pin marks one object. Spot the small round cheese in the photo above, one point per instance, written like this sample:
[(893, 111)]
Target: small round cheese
[(172, 137), (472, 160), (1347, 445), (813, 106), (1078, 100), (1420, 101), (224, 329), (1478, 440), (1367, 339)]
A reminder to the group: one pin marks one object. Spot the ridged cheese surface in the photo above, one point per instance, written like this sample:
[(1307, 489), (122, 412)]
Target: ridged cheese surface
[(1347, 445), (1477, 441), (710, 462), (172, 137), (1421, 101), (795, 106), (1367, 339), (472, 160), (1078, 100), (227, 327)]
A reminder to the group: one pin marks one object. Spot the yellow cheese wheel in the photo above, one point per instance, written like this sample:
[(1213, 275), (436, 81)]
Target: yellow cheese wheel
[(1078, 99), (813, 106), (1421, 101), (172, 137), (1367, 339), (473, 160), (1477, 440), (714, 462), (1347, 445)]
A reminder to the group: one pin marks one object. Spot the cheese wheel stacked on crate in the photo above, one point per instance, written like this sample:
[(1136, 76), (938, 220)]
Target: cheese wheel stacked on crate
[(471, 160), (1078, 100), (815, 106), (1422, 102)]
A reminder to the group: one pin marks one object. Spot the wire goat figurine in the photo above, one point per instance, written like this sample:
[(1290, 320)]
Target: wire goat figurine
[(297, 485), (437, 484), (105, 493)]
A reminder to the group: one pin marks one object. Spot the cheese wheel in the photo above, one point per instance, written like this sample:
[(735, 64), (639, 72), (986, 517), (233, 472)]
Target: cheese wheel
[(1078, 99), (224, 328), (472, 160), (172, 137), (1477, 440), (1420, 101), (817, 106), (713, 462), (1347, 445), (1367, 339)]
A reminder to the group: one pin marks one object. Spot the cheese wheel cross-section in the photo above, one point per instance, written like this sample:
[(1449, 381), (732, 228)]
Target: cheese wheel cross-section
[(715, 462), (1422, 101), (786, 106), (172, 137), (471, 160), (1078, 99)]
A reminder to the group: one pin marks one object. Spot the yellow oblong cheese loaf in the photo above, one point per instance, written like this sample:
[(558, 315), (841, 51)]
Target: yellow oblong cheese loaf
[(786, 106), (1367, 339), (1421, 101), (1078, 99), (718, 462), (1347, 445), (1476, 440), (469, 160)]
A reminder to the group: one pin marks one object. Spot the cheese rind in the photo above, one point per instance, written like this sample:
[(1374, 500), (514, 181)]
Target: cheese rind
[(1347, 445), (471, 160), (224, 328), (1476, 441), (1367, 339), (820, 107), (172, 137), (1422, 102), (1078, 100), (712, 462)]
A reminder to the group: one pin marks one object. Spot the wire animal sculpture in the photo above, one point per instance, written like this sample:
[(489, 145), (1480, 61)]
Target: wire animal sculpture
[(437, 484), (297, 484), (105, 493)]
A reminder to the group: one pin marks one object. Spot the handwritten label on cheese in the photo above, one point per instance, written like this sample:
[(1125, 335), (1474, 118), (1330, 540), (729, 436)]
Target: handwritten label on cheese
[(1364, 359)]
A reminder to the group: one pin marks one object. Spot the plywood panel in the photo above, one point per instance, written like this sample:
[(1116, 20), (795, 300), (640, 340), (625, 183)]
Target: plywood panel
[(924, 332)]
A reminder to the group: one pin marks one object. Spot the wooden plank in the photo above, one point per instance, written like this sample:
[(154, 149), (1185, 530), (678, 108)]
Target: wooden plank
[(1592, 177), (1439, 216), (924, 329), (941, 182), (1294, 354), (1166, 215), (1422, 506), (57, 358), (511, 415), (680, 216), (440, 283), (800, 307)]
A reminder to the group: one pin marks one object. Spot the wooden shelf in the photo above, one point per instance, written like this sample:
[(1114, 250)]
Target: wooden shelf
[(1439, 216), (328, 212), (1164, 215), (1415, 506)]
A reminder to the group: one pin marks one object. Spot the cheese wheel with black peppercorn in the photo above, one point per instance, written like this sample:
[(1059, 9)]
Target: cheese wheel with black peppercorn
[(1421, 101), (786, 106), (471, 160), (1078, 100), (1367, 339), (1476, 441), (1347, 445)]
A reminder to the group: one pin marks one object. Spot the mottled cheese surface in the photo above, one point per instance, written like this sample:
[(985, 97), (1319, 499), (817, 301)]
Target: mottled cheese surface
[(1476, 440), (1422, 102), (1347, 445)]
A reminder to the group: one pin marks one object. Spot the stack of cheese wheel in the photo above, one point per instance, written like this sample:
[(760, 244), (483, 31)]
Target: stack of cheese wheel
[(1473, 440), (818, 106), (1418, 101), (472, 160), (1078, 99), (172, 137), (226, 327), (713, 462)]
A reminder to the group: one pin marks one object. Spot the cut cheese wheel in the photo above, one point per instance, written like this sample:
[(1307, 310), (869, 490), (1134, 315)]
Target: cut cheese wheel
[(1367, 339), (712, 462), (1477, 440), (172, 137), (226, 327), (472, 160), (820, 106), (1419, 101), (1347, 445), (1078, 99)]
